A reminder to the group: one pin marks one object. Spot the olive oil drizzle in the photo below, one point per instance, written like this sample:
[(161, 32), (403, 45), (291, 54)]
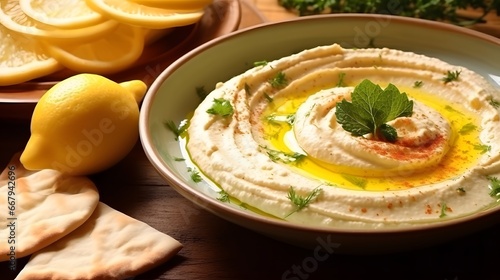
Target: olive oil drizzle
[(461, 157)]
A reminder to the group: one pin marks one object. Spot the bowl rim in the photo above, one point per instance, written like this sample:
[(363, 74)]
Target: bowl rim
[(217, 207)]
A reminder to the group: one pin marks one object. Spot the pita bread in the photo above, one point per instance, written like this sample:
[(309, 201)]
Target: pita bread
[(109, 245), (48, 205)]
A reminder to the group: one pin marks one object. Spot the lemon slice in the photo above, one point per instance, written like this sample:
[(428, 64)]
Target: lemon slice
[(61, 13), (144, 16), (22, 59), (12, 17), (175, 4), (107, 55)]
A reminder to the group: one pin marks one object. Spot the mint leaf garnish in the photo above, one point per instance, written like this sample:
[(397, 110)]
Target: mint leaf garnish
[(371, 108)]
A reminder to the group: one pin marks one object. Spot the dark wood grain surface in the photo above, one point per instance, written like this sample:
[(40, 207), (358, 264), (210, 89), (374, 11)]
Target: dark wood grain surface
[(217, 249)]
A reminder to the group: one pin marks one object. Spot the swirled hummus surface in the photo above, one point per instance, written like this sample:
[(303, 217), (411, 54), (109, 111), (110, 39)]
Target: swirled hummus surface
[(281, 143)]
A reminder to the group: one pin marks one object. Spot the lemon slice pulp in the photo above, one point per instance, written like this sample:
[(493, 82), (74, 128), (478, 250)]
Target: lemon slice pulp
[(61, 13), (22, 59), (12, 17)]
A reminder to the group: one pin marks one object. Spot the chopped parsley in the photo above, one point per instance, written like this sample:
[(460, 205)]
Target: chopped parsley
[(290, 119), (467, 128), (279, 80), (357, 181), (494, 187), (221, 107), (195, 175), (177, 130), (371, 108), (444, 207), (483, 148), (418, 84), (260, 63), (287, 158), (341, 82), (179, 159), (451, 76), (453, 110), (273, 118), (494, 103), (223, 196), (300, 202)]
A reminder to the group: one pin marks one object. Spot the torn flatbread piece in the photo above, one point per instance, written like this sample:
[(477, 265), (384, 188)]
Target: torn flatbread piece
[(40, 207), (109, 245)]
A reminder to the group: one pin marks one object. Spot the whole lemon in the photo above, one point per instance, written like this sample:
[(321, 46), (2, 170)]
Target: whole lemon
[(83, 125)]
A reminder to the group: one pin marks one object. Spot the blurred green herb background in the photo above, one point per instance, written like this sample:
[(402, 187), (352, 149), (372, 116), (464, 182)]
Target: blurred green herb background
[(442, 10)]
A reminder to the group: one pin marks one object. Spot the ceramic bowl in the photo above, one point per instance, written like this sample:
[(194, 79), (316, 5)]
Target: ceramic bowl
[(173, 96)]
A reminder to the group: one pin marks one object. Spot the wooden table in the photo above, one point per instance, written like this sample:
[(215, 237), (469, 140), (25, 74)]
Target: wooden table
[(217, 249)]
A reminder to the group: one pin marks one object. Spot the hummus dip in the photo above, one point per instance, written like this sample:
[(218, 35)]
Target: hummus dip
[(279, 147)]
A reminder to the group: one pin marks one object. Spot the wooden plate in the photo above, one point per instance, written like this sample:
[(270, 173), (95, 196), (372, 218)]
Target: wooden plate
[(221, 17)]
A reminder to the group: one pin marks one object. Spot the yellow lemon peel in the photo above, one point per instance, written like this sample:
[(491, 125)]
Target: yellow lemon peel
[(12, 17), (83, 125), (144, 16), (110, 54), (186, 5)]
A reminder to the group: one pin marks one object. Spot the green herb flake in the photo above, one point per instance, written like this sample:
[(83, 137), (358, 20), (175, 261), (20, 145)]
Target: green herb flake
[(221, 107), (444, 208), (453, 110), (467, 128), (260, 63), (355, 180), (244, 206), (290, 119), (341, 82), (273, 119), (461, 191), (494, 187), (371, 108), (451, 76), (279, 80), (223, 196), (300, 202), (277, 119), (418, 84), (195, 175), (177, 130), (179, 159), (483, 148), (201, 92), (287, 158), (494, 103), (446, 11), (269, 98)]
